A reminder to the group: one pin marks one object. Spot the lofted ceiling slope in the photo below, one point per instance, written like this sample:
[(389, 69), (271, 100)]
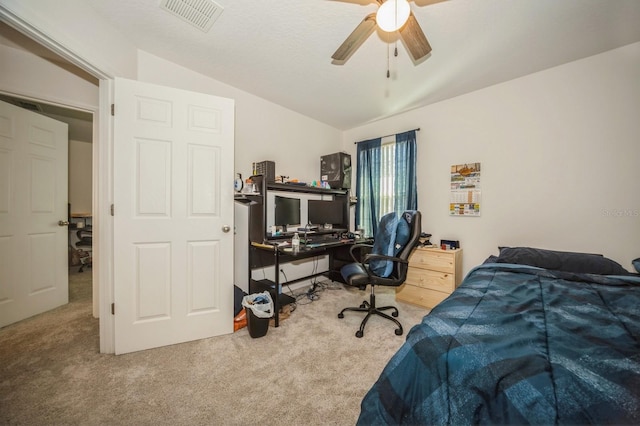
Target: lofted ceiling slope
[(281, 51)]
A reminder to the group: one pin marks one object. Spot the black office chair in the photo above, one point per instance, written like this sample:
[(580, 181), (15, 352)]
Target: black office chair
[(386, 263), (85, 244)]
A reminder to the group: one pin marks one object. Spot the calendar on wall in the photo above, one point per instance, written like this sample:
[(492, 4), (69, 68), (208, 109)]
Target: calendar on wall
[(465, 190)]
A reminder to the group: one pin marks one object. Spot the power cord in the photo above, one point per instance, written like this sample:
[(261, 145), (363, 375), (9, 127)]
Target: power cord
[(293, 305), (313, 293)]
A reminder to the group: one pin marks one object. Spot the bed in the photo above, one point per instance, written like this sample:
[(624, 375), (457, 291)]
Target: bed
[(531, 336)]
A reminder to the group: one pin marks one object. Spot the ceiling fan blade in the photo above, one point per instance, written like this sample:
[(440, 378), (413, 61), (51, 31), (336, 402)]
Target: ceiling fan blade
[(414, 39), (356, 38), (421, 3)]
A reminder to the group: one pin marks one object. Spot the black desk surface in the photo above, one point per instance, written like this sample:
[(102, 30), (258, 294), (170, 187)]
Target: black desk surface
[(318, 245)]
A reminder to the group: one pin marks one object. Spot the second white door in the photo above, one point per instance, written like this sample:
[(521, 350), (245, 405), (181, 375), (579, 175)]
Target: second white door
[(33, 200)]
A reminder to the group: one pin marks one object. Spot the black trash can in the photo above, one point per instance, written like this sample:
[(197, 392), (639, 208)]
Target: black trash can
[(259, 309), (258, 327)]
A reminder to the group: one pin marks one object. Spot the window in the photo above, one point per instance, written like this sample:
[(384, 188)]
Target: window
[(386, 179)]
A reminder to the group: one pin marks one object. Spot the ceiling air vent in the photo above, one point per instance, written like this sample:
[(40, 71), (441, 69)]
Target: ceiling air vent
[(199, 13)]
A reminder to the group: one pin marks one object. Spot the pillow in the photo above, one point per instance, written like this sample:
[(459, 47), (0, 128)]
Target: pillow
[(403, 233), (561, 260), (384, 243), (636, 264)]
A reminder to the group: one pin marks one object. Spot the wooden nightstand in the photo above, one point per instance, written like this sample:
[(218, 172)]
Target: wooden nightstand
[(433, 275)]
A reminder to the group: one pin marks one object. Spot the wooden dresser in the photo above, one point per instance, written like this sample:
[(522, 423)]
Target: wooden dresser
[(433, 275)]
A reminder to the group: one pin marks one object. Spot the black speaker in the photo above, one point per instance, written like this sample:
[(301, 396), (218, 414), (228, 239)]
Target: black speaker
[(335, 169)]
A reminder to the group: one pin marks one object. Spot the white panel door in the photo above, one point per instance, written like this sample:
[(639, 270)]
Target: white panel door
[(33, 198), (173, 213)]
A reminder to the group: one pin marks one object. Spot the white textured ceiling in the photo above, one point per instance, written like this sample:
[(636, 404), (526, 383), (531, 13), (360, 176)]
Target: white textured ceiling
[(281, 50)]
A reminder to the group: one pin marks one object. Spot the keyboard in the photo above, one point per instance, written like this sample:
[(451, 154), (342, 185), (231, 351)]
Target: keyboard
[(324, 242)]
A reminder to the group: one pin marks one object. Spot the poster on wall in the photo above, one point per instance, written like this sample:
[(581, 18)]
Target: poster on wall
[(465, 190)]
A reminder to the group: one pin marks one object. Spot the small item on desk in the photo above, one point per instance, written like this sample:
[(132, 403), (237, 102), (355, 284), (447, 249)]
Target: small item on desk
[(424, 240), (295, 242), (261, 245), (250, 187)]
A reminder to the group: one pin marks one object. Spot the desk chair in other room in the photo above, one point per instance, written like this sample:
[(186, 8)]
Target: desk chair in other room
[(84, 244), (386, 264)]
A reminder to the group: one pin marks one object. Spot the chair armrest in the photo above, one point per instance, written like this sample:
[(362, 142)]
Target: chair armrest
[(357, 257), (370, 257)]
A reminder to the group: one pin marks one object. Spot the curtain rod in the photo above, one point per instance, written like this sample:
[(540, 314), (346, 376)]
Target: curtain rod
[(385, 136)]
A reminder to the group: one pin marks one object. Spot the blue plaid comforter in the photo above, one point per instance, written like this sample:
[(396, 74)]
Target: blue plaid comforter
[(518, 345)]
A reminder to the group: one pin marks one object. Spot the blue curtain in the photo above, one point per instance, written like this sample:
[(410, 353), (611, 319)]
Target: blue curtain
[(406, 190), (368, 187)]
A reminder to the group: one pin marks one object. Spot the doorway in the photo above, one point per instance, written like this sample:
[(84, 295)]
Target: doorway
[(79, 189), (61, 105)]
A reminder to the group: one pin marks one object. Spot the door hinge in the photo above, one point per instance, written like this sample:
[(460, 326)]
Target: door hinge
[(113, 309), (112, 209), (113, 109)]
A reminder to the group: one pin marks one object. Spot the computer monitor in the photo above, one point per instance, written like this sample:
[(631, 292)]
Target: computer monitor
[(321, 212), (287, 211)]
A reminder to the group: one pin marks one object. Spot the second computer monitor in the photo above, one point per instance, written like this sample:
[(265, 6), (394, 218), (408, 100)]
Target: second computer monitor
[(322, 212)]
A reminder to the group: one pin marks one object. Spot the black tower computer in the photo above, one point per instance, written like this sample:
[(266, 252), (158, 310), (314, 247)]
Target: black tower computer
[(336, 170)]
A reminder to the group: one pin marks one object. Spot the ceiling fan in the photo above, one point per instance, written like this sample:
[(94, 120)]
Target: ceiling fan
[(392, 15)]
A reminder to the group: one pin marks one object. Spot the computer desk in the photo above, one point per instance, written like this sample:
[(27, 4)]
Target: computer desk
[(283, 254)]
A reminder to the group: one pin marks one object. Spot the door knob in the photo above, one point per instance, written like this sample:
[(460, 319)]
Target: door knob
[(226, 228), (63, 223)]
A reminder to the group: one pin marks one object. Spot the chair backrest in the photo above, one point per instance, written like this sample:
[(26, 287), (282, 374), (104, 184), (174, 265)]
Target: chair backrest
[(384, 243), (396, 236), (414, 220), (85, 237)]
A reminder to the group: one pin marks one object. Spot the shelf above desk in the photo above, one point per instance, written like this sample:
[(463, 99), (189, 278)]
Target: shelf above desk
[(304, 189)]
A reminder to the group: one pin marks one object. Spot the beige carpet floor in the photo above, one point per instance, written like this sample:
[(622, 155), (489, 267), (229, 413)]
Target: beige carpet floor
[(311, 370)]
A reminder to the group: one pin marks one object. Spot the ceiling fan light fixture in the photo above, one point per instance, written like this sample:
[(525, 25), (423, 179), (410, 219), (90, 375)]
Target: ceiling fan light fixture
[(392, 15)]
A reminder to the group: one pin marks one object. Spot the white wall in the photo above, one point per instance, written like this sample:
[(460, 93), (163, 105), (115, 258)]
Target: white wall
[(26, 74), (80, 174), (559, 152), (75, 25), (264, 130)]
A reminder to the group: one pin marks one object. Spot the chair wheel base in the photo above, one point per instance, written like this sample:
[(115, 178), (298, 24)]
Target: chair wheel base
[(371, 309)]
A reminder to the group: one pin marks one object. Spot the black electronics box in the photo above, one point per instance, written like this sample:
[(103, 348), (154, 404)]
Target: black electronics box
[(335, 169), (449, 244), (266, 169)]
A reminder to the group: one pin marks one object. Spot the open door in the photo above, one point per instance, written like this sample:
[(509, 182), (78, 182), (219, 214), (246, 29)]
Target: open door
[(33, 214), (173, 215)]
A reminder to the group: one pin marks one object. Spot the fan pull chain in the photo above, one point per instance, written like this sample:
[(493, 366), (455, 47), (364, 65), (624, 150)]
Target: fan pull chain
[(388, 72), (395, 53)]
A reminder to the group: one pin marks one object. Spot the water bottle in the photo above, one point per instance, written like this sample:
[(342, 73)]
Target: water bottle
[(295, 242)]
